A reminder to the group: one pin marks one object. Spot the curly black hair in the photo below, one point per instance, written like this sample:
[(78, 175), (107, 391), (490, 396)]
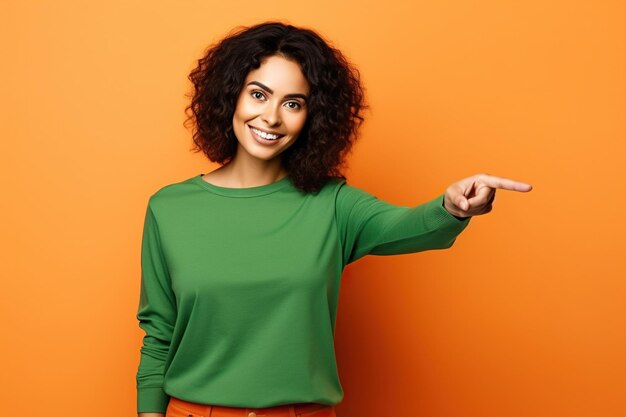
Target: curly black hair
[(335, 105)]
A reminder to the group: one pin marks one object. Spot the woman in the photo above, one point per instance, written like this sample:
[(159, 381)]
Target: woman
[(241, 266)]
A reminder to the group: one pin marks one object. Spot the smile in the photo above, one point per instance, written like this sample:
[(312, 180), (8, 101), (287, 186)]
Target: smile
[(264, 134)]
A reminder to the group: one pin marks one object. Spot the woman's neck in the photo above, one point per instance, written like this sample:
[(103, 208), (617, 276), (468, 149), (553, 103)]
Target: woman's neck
[(242, 175)]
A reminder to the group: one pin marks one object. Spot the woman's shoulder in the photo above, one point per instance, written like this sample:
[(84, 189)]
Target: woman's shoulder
[(173, 190)]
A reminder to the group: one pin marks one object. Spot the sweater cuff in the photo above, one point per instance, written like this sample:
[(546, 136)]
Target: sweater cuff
[(439, 218), (152, 400)]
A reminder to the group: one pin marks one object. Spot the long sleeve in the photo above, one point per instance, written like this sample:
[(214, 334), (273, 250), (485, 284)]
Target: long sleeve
[(156, 314), (368, 225)]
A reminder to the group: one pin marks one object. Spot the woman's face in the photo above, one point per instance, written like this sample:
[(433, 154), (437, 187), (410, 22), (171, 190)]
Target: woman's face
[(273, 101)]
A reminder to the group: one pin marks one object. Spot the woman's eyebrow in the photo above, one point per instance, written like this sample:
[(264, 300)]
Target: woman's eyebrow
[(266, 88)]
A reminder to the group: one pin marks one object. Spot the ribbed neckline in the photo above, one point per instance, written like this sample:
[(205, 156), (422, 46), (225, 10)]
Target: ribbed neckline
[(243, 192)]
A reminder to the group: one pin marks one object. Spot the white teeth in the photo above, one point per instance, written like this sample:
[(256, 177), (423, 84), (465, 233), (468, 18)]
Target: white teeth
[(264, 135)]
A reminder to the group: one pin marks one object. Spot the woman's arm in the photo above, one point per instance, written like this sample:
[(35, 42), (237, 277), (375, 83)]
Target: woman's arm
[(150, 415), (368, 225), (156, 314)]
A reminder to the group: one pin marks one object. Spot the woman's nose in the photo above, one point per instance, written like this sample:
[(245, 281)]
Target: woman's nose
[(271, 116)]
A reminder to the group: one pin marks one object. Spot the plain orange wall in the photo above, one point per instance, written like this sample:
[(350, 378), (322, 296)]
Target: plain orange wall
[(524, 316)]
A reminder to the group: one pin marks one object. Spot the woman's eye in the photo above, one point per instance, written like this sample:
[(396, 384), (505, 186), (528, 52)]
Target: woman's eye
[(294, 105)]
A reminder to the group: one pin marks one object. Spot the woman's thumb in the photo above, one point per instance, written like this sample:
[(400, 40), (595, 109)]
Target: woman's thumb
[(463, 203)]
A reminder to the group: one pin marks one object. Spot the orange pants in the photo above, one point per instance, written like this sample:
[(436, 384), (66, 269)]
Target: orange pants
[(182, 408)]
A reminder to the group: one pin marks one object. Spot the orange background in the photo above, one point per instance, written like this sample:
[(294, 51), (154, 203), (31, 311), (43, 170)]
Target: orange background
[(524, 316)]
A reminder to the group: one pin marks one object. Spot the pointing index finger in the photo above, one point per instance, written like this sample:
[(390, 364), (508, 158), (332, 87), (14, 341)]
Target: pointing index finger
[(504, 183)]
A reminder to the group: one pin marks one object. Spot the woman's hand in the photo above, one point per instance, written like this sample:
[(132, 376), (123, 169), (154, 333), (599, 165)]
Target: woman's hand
[(474, 195)]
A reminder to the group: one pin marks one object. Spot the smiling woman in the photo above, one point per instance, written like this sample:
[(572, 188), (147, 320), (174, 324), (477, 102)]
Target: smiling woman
[(280, 80), (241, 267)]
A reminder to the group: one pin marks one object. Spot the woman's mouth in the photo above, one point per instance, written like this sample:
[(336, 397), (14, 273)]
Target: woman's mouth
[(264, 137)]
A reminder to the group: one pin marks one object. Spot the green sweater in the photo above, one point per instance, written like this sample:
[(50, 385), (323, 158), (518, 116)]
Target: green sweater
[(239, 286)]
